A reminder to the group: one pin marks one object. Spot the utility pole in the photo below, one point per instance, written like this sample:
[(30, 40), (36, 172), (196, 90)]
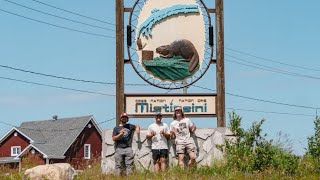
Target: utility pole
[(221, 121), (119, 60)]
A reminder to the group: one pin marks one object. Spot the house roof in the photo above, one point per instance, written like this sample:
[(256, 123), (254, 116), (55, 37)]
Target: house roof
[(11, 131), (54, 137), (4, 160)]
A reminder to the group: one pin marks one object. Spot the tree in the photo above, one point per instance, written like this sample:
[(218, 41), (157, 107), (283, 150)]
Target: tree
[(314, 144)]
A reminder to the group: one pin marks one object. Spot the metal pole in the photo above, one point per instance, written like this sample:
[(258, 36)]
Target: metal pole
[(119, 60), (185, 89), (221, 122), (20, 165)]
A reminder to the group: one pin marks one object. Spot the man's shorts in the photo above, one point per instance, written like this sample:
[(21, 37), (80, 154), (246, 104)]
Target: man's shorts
[(190, 147), (158, 153)]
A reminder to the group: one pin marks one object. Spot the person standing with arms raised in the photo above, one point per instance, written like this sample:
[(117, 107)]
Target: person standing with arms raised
[(158, 132), (181, 129), (122, 136)]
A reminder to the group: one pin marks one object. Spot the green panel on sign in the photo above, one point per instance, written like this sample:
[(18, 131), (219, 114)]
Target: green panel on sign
[(172, 69)]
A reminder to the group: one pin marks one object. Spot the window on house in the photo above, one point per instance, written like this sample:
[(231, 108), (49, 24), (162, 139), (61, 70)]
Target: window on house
[(15, 150), (87, 151)]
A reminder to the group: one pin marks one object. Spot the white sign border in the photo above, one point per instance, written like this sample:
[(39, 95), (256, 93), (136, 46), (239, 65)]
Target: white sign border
[(169, 95)]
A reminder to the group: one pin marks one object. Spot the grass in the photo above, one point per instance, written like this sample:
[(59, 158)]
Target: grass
[(218, 170), (7, 173)]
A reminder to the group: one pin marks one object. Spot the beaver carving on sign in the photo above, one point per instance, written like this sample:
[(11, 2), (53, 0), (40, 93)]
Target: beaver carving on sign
[(181, 47)]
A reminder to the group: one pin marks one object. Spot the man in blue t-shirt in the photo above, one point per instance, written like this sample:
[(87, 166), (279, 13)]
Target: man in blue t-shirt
[(122, 136)]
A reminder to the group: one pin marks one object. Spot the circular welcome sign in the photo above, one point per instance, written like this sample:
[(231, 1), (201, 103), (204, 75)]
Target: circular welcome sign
[(171, 46)]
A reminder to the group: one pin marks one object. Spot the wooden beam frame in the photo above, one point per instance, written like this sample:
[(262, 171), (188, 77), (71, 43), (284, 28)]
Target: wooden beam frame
[(120, 61)]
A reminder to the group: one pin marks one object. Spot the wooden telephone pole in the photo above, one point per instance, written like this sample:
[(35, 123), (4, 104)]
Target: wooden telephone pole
[(119, 60), (221, 119)]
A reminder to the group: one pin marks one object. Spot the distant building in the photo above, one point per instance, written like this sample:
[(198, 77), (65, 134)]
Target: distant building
[(75, 140)]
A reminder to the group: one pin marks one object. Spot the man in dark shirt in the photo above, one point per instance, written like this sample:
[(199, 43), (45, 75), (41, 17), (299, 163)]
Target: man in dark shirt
[(122, 136)]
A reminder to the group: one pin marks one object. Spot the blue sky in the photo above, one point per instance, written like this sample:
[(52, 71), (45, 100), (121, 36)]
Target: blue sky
[(274, 31)]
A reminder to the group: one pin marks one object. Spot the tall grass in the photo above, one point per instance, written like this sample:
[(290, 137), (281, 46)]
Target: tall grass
[(214, 171), (8, 173)]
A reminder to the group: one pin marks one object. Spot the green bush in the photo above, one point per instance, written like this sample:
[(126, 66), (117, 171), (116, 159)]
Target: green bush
[(313, 150), (250, 151)]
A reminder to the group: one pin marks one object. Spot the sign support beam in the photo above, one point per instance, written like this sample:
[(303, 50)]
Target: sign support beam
[(221, 119), (119, 60)]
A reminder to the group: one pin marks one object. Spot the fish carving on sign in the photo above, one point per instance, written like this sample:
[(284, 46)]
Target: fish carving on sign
[(161, 14)]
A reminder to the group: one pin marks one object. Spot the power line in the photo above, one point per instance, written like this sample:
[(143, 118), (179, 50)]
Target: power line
[(58, 26), (262, 100), (270, 68), (107, 121), (237, 109), (7, 124), (257, 67), (270, 60), (203, 88), (57, 87), (52, 130), (17, 4), (270, 112), (273, 102), (66, 78), (275, 69), (55, 7), (308, 107)]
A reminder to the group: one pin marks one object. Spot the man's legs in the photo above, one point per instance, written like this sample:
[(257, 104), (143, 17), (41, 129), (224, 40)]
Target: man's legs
[(192, 160), (156, 166), (163, 159), (191, 149), (156, 157), (180, 151), (181, 160), (163, 164), (118, 158), (129, 160)]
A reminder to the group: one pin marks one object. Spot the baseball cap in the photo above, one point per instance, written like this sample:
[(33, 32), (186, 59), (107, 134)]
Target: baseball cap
[(158, 114), (123, 115)]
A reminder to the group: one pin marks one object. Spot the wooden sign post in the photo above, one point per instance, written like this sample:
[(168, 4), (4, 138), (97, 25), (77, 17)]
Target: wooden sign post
[(119, 61), (221, 119)]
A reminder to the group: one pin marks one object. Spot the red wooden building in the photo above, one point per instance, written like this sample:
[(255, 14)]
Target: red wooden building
[(75, 140)]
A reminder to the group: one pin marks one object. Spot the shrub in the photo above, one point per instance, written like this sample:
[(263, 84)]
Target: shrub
[(30, 161), (251, 151), (314, 145)]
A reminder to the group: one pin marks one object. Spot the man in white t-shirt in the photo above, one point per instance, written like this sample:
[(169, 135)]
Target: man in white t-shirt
[(158, 132), (180, 129)]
